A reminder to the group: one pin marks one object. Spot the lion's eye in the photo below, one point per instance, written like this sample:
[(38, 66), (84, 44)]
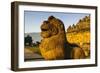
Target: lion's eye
[(61, 26), (46, 22)]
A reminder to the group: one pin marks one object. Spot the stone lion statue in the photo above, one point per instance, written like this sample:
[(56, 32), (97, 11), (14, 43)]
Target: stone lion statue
[(54, 45)]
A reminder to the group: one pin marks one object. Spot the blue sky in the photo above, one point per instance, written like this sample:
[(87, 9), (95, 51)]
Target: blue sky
[(34, 19)]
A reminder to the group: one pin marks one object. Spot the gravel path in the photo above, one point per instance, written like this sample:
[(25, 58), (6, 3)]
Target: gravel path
[(29, 55)]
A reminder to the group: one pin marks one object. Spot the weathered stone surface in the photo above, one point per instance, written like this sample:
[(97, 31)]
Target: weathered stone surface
[(54, 44)]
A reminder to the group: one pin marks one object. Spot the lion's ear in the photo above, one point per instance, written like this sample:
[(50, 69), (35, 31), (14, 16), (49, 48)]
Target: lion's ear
[(51, 17)]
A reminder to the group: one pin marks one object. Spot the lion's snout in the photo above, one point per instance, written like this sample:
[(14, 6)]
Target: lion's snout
[(45, 29)]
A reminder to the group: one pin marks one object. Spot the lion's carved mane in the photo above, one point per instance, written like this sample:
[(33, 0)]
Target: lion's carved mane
[(54, 44)]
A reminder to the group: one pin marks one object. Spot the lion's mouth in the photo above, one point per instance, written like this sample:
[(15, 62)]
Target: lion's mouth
[(44, 29)]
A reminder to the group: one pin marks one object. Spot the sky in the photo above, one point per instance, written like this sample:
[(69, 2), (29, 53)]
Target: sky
[(34, 19)]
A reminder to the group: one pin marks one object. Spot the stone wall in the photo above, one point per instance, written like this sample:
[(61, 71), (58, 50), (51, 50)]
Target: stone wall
[(79, 37), (80, 34)]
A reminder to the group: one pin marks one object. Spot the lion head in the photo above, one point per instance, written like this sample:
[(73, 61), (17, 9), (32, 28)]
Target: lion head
[(51, 27)]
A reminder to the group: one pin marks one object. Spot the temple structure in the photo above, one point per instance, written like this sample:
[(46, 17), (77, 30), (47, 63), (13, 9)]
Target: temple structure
[(80, 34)]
